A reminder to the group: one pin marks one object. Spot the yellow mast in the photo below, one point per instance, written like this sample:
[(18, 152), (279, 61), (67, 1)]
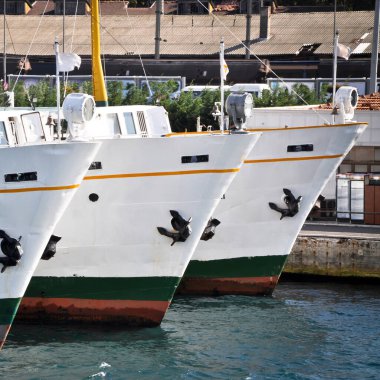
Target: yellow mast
[(99, 88)]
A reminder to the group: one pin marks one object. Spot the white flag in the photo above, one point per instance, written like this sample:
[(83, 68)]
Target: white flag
[(68, 61), (343, 51), (225, 70)]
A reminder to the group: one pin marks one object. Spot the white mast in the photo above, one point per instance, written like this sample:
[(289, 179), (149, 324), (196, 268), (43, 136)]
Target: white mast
[(58, 89), (336, 38), (222, 74)]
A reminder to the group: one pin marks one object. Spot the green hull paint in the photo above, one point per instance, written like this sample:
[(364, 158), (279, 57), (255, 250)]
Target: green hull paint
[(259, 266), (8, 310), (101, 103), (104, 288)]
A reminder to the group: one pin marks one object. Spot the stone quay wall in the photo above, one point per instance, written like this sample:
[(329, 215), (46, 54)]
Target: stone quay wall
[(335, 257)]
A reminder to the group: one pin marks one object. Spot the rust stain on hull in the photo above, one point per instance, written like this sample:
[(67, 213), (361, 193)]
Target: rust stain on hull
[(250, 286), (125, 312)]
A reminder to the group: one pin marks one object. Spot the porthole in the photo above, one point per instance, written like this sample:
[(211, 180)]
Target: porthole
[(93, 197)]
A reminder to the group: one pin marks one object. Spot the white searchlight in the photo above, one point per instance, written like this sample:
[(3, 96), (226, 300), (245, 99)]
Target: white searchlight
[(346, 99), (78, 109), (239, 107)]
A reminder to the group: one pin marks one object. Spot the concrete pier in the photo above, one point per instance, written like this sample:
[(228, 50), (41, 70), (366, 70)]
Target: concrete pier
[(345, 251)]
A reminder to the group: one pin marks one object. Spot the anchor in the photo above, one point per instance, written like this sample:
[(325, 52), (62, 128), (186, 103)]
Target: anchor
[(209, 230), (12, 250), (51, 247), (291, 202), (181, 225)]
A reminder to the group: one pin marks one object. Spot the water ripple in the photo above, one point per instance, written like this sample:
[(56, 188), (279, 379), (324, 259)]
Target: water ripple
[(305, 331)]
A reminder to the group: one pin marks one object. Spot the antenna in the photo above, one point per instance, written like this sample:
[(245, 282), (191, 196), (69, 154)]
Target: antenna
[(58, 89)]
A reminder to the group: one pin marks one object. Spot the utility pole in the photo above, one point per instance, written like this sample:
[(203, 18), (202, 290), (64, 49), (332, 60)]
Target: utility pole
[(158, 29), (248, 30), (375, 50), (334, 31)]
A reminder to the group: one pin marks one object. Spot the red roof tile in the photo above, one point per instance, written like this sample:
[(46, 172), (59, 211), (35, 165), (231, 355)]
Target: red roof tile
[(365, 102)]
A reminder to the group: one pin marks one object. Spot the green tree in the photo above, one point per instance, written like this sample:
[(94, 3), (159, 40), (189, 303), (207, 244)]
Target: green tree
[(115, 93), (307, 94), (162, 92), (3, 98), (136, 95), (208, 99), (282, 96), (87, 87), (42, 94), (20, 94), (183, 112), (71, 87), (265, 100)]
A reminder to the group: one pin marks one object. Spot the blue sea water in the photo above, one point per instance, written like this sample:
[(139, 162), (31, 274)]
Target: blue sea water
[(304, 331)]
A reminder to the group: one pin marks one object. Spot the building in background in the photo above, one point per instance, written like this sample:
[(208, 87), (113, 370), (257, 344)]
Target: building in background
[(294, 44)]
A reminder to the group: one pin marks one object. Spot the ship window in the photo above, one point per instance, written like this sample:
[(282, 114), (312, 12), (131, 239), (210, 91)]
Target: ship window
[(20, 177), (96, 165), (3, 134), (194, 159), (112, 123), (33, 127), (129, 123), (301, 148)]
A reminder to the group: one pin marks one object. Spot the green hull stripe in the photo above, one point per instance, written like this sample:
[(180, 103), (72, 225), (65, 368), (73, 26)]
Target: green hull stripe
[(259, 266), (104, 288), (8, 310), (101, 103)]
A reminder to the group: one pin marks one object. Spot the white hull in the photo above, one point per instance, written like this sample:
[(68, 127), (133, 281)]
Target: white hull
[(247, 254), (30, 209), (249, 227), (34, 213), (141, 180)]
